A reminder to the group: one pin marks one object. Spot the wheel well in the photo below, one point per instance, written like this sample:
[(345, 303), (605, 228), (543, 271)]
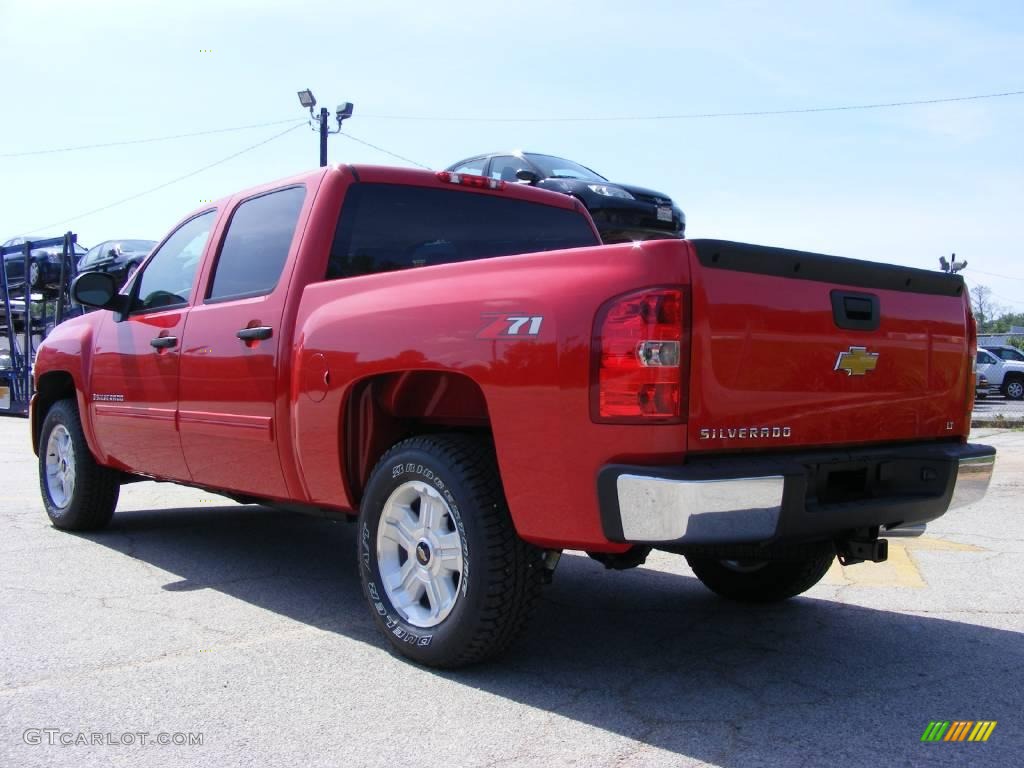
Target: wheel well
[(384, 409), (52, 386)]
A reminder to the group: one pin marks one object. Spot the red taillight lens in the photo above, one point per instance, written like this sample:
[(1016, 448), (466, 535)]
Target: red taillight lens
[(641, 356), (972, 361)]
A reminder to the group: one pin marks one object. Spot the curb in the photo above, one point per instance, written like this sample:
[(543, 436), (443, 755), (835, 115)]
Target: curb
[(1017, 423)]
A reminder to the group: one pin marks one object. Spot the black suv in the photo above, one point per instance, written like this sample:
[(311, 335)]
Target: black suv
[(621, 212), (117, 257)]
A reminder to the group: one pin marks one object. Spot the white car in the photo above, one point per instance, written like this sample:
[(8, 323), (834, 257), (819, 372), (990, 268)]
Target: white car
[(1006, 376)]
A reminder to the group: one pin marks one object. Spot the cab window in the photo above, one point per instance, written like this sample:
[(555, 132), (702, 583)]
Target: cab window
[(169, 277), (256, 245), (386, 227)]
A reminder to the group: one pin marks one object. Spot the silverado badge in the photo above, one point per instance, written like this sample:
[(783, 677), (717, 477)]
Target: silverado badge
[(856, 361)]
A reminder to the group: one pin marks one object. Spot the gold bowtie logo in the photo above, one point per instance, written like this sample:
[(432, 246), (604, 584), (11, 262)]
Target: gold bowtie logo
[(856, 361)]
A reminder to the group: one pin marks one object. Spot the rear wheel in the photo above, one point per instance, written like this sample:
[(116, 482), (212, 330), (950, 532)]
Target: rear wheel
[(79, 494), (1014, 388), (448, 580), (752, 581)]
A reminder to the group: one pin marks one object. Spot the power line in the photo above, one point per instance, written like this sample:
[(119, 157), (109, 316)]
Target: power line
[(151, 140), (699, 115), (443, 118), (166, 183), (385, 151), (996, 274)]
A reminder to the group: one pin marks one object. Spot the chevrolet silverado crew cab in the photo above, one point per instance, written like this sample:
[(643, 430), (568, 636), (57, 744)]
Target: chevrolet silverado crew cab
[(457, 363)]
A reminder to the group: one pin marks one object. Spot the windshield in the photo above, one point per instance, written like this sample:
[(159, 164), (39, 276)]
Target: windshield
[(559, 168)]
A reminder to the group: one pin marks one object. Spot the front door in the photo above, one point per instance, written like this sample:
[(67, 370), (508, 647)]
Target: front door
[(134, 385), (229, 368)]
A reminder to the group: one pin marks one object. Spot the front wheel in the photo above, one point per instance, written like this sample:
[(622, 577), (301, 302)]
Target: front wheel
[(34, 274), (1014, 389), (448, 580), (78, 493), (761, 581)]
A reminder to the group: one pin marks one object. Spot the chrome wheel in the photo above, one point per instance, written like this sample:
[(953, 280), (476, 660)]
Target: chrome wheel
[(33, 274), (1015, 390), (60, 466), (419, 554)]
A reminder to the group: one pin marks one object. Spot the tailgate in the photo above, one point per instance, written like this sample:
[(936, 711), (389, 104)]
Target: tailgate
[(794, 349)]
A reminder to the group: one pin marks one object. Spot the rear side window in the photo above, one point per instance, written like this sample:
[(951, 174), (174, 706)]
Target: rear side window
[(256, 245), (384, 227)]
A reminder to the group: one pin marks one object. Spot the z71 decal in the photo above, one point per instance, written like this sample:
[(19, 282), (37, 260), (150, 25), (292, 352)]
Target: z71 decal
[(511, 326)]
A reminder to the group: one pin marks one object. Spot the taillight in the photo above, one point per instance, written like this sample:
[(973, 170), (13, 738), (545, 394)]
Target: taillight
[(641, 354), (972, 362), (469, 180)]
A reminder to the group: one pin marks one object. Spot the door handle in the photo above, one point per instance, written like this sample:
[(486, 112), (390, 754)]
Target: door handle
[(259, 333), (164, 342)]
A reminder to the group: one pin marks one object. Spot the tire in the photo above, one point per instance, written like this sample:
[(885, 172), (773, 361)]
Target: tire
[(34, 270), (761, 582), (87, 501), (1013, 388), (467, 584)]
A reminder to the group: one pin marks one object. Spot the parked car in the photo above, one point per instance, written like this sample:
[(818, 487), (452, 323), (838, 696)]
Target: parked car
[(1006, 376), (981, 386), (1005, 352), (116, 257), (622, 212), (464, 369), (43, 268)]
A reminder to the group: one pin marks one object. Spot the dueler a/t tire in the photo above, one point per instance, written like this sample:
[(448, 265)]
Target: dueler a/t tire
[(498, 578), (766, 582), (87, 498)]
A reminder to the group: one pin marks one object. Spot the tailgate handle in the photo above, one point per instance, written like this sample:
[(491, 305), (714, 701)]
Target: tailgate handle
[(855, 311)]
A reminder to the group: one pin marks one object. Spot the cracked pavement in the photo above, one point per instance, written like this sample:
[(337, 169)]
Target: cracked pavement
[(192, 613)]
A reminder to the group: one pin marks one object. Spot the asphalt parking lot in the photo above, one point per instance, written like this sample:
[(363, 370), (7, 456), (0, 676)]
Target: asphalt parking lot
[(195, 615)]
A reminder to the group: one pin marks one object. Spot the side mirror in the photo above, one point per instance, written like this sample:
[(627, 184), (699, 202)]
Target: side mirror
[(524, 174), (98, 289)]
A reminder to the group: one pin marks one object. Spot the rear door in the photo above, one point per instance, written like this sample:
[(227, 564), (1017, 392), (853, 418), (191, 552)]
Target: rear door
[(796, 349), (134, 385), (230, 367)]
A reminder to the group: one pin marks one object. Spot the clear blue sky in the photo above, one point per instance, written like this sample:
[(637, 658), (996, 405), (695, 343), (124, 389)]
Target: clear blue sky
[(901, 185)]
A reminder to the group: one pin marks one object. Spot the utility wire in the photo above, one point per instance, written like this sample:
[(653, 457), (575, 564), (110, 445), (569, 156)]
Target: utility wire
[(698, 115), (385, 151), (683, 116), (151, 190), (152, 140), (996, 274)]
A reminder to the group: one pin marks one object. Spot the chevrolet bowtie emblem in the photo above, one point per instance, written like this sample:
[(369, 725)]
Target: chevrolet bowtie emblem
[(856, 361)]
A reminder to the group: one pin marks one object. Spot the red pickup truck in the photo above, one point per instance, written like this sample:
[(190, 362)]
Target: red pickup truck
[(461, 364)]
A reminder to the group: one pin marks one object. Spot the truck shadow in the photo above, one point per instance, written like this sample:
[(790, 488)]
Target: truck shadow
[(644, 654)]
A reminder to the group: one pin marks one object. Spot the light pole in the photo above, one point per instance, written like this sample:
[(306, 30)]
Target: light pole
[(342, 113)]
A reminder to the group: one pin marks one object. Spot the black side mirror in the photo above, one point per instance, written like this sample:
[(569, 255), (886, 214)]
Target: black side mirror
[(525, 174), (98, 289)]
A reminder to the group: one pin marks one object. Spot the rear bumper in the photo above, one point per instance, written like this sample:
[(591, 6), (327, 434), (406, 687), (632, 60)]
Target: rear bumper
[(790, 497)]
